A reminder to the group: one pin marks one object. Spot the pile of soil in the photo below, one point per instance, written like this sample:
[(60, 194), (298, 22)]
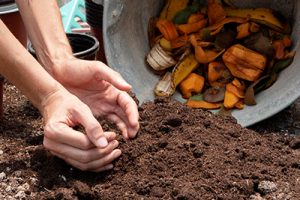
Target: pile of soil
[(180, 153)]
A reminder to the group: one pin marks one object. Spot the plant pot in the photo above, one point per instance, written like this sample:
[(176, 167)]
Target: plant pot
[(94, 17), (84, 46)]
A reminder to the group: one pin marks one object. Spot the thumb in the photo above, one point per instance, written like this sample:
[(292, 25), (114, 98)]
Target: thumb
[(93, 128), (106, 73)]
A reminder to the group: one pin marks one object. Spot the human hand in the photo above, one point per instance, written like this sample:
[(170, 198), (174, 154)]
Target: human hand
[(93, 150), (102, 89)]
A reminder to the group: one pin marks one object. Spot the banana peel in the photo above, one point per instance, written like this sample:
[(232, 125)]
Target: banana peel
[(187, 65), (159, 59), (165, 87), (264, 16)]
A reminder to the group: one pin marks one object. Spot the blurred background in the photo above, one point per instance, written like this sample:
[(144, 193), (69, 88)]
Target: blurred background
[(62, 2)]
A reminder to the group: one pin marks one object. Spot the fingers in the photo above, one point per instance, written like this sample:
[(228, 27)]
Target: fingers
[(65, 134), (125, 115), (92, 127), (94, 159), (120, 123), (97, 165), (130, 109), (101, 164), (110, 136), (103, 72), (129, 106), (83, 156)]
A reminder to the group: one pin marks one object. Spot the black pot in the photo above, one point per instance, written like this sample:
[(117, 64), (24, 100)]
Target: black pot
[(84, 46), (94, 14), (7, 3)]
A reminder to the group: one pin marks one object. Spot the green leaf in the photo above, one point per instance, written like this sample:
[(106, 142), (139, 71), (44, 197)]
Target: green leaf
[(182, 16), (277, 68), (254, 88), (206, 36), (197, 97)]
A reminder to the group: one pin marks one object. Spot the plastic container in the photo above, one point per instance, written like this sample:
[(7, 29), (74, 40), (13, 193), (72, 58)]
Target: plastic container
[(69, 12), (84, 46), (126, 45)]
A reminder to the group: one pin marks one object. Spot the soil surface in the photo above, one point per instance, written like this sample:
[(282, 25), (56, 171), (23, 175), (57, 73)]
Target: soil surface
[(180, 153)]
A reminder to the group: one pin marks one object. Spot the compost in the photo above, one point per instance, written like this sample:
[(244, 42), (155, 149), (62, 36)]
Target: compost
[(179, 153)]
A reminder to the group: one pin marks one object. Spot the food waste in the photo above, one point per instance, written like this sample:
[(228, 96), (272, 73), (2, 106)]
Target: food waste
[(216, 55)]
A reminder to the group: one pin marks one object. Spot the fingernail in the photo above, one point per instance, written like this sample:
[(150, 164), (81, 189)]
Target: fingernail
[(102, 142), (126, 83), (117, 153), (110, 167), (114, 142)]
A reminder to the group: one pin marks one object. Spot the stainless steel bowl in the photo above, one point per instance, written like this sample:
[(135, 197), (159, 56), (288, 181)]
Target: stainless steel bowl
[(125, 36)]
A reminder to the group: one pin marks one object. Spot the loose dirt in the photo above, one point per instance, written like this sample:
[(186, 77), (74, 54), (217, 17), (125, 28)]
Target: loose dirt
[(179, 153)]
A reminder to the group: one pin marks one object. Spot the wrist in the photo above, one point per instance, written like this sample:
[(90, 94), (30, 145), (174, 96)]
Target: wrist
[(52, 57), (46, 31), (49, 100)]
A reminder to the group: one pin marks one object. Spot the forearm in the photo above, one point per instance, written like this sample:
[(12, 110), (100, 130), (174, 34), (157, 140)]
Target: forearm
[(43, 23), (20, 68)]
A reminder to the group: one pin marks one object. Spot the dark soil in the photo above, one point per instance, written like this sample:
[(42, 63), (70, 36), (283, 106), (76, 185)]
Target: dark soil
[(180, 153)]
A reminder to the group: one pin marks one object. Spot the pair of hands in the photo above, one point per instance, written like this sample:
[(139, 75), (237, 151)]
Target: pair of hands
[(90, 89)]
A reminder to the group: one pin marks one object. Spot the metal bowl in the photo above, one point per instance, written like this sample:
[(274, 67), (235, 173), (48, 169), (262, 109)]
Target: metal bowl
[(126, 45)]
